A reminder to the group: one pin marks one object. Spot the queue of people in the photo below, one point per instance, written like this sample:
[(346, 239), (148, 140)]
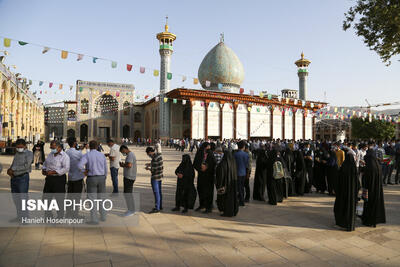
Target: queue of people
[(349, 171)]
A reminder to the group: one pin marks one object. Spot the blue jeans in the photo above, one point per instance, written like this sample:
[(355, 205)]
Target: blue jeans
[(114, 178), (156, 186), (19, 190), (240, 189)]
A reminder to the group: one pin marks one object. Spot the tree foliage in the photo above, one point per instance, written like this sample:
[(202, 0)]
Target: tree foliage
[(378, 22), (375, 129)]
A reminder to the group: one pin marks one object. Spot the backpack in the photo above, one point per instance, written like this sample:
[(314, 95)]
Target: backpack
[(278, 171)]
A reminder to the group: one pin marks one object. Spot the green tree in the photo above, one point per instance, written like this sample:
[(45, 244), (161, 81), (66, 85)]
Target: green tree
[(378, 22), (376, 129)]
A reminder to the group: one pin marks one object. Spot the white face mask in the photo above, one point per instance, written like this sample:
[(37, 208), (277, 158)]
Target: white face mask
[(124, 154), (53, 150), (20, 150)]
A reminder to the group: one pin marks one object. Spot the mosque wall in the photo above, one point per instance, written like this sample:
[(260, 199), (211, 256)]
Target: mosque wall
[(299, 125), (288, 126), (241, 122), (213, 119), (308, 127), (227, 121), (260, 122), (277, 123), (198, 120)]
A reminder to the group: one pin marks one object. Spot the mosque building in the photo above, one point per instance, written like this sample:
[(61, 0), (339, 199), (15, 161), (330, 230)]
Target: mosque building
[(221, 110)]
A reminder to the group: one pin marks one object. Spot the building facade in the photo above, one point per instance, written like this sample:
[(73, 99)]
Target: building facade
[(21, 113), (222, 110), (102, 110)]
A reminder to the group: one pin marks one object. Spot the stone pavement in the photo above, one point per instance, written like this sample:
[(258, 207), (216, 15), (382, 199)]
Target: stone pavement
[(298, 232)]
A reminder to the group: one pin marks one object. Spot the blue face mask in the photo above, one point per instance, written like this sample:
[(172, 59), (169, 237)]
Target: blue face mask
[(53, 151)]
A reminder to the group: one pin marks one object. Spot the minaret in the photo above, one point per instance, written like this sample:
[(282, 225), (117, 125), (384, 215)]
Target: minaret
[(166, 39), (302, 72)]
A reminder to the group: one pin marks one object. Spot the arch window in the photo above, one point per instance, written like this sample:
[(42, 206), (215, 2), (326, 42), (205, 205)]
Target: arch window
[(137, 117), (84, 106)]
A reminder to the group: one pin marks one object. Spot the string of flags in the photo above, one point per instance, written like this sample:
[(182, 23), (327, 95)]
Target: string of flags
[(343, 113), (64, 54)]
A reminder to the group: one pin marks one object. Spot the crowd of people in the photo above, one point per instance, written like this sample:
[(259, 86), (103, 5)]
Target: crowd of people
[(352, 172), (65, 172)]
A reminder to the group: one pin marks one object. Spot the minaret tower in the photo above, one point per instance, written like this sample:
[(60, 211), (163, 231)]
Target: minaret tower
[(302, 72), (166, 39)]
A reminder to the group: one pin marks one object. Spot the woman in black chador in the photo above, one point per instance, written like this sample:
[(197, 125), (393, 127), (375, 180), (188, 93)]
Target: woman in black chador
[(260, 177), (300, 173), (374, 205), (274, 186), (319, 170), (347, 194), (204, 163), (185, 194), (288, 156), (226, 184), (332, 172)]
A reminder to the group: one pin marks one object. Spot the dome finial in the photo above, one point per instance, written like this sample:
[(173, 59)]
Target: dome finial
[(166, 23), (302, 55), (221, 38)]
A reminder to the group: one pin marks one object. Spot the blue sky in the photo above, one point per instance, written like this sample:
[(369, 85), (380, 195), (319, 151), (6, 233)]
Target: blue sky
[(267, 36)]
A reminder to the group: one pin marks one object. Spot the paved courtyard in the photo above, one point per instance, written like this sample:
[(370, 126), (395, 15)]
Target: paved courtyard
[(298, 232)]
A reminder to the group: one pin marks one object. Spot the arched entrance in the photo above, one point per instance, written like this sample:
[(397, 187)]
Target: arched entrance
[(71, 133), (126, 131), (137, 135), (84, 132)]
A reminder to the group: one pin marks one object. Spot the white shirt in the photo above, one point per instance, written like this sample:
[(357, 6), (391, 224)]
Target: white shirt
[(59, 163), (114, 152)]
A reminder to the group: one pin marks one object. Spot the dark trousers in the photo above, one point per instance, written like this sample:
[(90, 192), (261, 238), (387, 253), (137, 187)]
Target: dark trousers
[(156, 186), (19, 189), (128, 189), (240, 184), (247, 185), (397, 173), (54, 186), (114, 179), (74, 190)]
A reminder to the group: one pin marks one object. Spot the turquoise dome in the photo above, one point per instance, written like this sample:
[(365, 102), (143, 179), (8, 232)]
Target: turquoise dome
[(221, 66)]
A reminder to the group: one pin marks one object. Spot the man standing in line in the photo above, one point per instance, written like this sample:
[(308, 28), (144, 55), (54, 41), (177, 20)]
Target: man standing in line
[(75, 175), (114, 157), (55, 169), (242, 161), (94, 165), (248, 174), (19, 174), (130, 169), (156, 169)]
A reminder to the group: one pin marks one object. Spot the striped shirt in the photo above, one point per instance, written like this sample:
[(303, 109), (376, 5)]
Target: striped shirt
[(156, 167)]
